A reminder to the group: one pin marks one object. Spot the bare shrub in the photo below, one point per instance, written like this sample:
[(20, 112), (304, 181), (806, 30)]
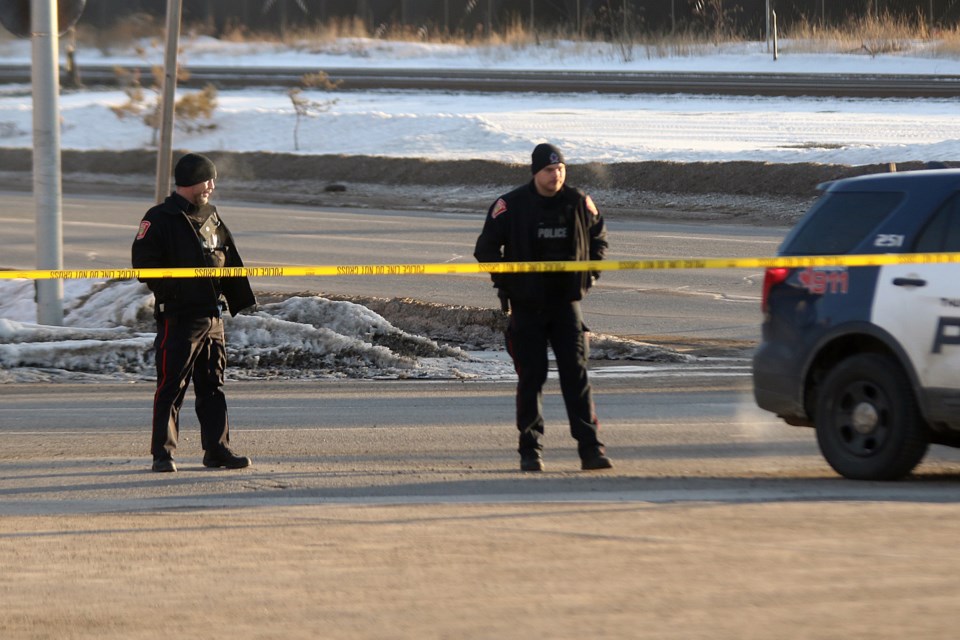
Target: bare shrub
[(306, 108), (716, 16), (193, 111)]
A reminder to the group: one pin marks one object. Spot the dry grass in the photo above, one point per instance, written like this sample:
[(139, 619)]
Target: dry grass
[(947, 43), (135, 28), (873, 35)]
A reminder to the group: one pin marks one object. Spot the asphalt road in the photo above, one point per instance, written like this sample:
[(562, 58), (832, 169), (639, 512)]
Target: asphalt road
[(675, 435), (395, 510), (708, 304), (494, 81)]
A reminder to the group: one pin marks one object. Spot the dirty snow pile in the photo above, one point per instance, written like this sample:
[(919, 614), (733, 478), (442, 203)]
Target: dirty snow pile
[(109, 333)]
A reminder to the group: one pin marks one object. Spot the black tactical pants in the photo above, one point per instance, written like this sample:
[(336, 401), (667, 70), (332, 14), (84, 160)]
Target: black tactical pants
[(189, 348), (530, 331)]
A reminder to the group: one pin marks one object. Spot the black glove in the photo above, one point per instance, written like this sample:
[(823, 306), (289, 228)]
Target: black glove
[(503, 319)]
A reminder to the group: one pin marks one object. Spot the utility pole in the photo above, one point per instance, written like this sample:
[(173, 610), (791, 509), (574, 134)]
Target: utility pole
[(47, 179), (165, 150)]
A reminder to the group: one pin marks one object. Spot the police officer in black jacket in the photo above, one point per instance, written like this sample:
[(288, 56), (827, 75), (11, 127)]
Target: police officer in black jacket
[(547, 220), (185, 230)]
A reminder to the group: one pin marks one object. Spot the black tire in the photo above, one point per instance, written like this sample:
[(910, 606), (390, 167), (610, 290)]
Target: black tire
[(867, 420)]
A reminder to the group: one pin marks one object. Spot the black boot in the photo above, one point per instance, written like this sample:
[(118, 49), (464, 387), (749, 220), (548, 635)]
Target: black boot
[(164, 465), (225, 458), (595, 460), (531, 461)]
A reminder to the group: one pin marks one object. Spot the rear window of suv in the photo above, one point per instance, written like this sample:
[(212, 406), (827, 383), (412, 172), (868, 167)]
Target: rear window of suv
[(841, 221)]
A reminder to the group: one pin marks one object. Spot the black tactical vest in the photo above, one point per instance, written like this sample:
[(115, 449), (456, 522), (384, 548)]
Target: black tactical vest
[(555, 237)]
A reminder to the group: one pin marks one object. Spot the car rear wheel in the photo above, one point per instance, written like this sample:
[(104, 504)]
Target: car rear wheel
[(868, 423)]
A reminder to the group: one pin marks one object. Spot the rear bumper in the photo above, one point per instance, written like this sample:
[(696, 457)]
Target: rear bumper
[(777, 384)]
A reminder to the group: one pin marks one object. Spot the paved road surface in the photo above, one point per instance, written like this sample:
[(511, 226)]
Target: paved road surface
[(852, 85), (394, 510), (395, 441)]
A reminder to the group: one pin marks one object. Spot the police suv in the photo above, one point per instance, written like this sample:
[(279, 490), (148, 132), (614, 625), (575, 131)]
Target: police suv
[(868, 356)]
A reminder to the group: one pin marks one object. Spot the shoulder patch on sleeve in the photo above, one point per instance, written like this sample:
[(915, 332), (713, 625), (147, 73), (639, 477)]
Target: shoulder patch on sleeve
[(144, 226), (500, 206), (592, 208)]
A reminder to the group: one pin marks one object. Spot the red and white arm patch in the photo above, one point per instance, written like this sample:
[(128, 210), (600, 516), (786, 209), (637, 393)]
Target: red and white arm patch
[(144, 226), (500, 206), (592, 208)]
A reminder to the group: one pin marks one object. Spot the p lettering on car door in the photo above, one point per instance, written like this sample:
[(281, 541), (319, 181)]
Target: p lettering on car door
[(948, 333)]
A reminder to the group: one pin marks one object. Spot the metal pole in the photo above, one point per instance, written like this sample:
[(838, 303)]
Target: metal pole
[(776, 49), (165, 150), (47, 184), (673, 16), (767, 28)]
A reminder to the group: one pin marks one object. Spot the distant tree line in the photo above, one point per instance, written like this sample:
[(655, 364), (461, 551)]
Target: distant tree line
[(589, 18)]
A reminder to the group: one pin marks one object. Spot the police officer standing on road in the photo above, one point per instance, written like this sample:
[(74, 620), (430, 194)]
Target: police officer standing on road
[(185, 230), (545, 220)]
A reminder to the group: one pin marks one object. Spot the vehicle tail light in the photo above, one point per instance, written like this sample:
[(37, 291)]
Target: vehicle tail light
[(773, 276)]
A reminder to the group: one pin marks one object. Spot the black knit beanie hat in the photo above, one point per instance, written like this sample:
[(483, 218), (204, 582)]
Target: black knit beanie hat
[(544, 154), (194, 168)]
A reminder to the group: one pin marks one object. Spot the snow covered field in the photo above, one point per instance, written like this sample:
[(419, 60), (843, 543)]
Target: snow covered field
[(591, 128), (109, 332)]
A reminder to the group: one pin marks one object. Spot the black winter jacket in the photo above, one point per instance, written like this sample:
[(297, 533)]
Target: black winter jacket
[(510, 235), (168, 239)]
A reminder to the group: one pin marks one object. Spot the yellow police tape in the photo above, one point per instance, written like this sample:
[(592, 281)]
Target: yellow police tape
[(452, 268)]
